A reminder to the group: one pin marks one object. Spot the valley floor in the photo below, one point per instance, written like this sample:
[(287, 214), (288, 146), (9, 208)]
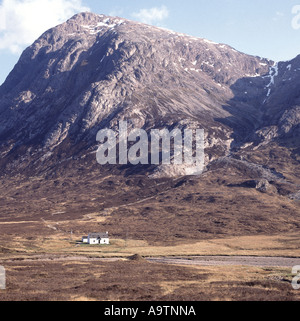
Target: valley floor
[(63, 269), (140, 280)]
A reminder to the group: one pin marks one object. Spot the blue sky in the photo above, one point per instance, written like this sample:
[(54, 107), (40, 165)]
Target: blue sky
[(267, 28)]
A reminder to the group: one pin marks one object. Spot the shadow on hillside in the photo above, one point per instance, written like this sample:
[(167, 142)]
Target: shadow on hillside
[(251, 109), (245, 109)]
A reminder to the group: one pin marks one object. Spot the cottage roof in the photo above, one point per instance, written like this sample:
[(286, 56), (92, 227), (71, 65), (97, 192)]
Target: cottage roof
[(98, 235)]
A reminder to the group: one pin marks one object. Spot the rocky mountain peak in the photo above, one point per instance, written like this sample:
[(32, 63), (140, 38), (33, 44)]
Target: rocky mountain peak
[(94, 70)]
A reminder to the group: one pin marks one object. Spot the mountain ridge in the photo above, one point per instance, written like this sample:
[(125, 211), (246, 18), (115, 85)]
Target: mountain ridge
[(93, 70)]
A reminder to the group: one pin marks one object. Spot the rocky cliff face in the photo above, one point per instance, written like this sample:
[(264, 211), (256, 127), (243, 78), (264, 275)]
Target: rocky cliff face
[(94, 70)]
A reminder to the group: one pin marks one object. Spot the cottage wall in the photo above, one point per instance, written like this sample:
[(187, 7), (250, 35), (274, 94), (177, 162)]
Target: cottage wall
[(93, 241)]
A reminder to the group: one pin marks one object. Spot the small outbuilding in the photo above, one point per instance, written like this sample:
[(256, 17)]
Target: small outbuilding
[(85, 239)]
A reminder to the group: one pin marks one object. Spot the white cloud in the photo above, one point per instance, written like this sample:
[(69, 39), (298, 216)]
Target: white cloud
[(153, 15), (23, 21)]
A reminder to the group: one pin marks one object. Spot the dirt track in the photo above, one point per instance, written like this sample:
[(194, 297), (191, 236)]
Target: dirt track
[(230, 260), (192, 260)]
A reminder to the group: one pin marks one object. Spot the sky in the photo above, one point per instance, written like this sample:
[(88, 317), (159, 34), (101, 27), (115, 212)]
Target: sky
[(265, 28)]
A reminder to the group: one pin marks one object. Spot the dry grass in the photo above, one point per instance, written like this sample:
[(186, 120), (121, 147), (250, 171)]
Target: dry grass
[(285, 245), (139, 280), (280, 245)]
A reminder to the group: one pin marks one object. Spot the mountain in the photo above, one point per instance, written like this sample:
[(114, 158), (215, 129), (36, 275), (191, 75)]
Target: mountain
[(93, 71)]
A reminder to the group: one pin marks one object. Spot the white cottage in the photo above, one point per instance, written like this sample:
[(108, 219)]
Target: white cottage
[(96, 238)]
